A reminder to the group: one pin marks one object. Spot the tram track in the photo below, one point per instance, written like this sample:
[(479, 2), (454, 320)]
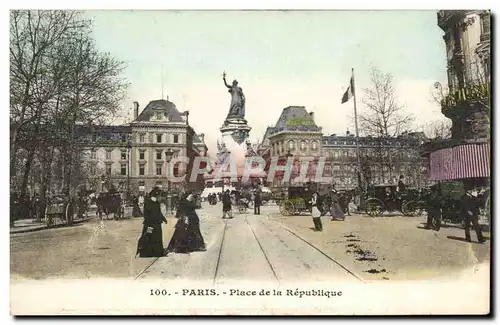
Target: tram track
[(318, 250), (219, 254), (273, 269)]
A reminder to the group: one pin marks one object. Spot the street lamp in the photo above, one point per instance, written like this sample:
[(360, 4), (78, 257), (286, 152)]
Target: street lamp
[(103, 179), (168, 157)]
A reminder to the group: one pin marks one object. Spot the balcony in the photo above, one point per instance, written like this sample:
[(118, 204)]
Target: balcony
[(468, 94)]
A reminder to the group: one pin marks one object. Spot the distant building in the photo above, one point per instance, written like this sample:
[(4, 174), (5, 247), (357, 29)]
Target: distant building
[(133, 155), (383, 160)]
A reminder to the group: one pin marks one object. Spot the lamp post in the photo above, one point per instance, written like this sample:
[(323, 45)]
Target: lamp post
[(168, 157), (103, 179), (129, 149)]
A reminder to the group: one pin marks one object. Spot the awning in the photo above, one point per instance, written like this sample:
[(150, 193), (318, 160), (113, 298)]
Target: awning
[(464, 161)]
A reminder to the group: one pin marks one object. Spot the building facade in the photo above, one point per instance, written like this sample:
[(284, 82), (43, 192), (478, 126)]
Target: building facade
[(383, 160), (467, 102), (466, 156), (133, 156)]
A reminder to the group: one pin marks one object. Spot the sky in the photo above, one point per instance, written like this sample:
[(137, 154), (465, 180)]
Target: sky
[(280, 58)]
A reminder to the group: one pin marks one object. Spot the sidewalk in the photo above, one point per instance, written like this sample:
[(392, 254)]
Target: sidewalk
[(29, 225)]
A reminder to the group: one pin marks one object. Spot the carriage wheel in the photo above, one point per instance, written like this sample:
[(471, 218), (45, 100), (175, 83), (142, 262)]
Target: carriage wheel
[(410, 209), (374, 208), (287, 208), (406, 209)]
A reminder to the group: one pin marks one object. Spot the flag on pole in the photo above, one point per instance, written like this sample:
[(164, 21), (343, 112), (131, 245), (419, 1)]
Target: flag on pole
[(349, 92)]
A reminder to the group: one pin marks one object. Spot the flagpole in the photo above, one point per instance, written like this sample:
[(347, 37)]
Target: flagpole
[(358, 154)]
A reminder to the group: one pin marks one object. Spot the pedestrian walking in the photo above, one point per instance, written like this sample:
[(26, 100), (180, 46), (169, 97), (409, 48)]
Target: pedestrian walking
[(257, 202), (150, 243), (469, 210), (187, 236), (316, 211), (434, 209), (226, 205), (335, 208)]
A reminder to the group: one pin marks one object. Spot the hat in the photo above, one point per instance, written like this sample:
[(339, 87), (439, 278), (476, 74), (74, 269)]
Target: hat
[(154, 192)]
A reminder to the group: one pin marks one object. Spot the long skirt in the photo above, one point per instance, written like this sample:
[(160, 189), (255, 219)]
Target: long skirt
[(187, 237), (336, 211), (151, 244)]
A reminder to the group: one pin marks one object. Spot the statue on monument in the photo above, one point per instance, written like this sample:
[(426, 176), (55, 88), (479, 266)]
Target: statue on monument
[(237, 108)]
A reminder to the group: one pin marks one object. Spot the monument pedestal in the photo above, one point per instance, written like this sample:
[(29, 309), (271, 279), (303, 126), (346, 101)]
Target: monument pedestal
[(237, 127)]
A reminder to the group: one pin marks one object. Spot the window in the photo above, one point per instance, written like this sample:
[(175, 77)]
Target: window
[(123, 155), (93, 154), (158, 138), (158, 154), (159, 115), (176, 170), (158, 169), (302, 145), (108, 154), (141, 169), (291, 145), (124, 138), (176, 138), (315, 145), (94, 138), (108, 169), (142, 138), (141, 154), (123, 169)]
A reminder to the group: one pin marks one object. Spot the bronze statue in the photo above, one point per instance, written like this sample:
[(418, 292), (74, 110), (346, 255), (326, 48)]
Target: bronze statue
[(237, 107)]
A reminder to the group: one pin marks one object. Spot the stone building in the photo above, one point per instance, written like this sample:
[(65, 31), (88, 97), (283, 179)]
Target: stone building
[(467, 104), (133, 155), (466, 156), (383, 160)]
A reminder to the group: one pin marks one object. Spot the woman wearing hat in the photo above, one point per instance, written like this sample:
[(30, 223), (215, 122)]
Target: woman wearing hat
[(187, 236), (151, 242)]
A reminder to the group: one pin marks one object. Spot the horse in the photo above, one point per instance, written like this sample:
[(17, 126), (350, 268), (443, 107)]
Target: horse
[(108, 203)]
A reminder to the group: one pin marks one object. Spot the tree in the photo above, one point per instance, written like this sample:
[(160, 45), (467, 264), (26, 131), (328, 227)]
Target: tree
[(58, 80), (383, 118)]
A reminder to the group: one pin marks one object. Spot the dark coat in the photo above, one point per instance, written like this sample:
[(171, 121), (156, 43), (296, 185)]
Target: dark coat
[(257, 199), (226, 202), (152, 213)]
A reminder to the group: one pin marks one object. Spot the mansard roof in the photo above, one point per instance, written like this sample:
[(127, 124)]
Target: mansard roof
[(167, 107), (295, 118)]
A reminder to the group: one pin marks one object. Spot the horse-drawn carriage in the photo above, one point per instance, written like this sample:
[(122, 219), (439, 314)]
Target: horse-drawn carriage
[(58, 208), (380, 198), (298, 201)]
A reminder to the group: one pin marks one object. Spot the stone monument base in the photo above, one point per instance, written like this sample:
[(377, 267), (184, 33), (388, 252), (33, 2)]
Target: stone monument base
[(237, 127)]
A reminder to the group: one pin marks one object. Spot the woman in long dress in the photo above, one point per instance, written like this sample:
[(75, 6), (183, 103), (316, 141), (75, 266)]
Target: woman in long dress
[(187, 236), (151, 242), (316, 212), (335, 208)]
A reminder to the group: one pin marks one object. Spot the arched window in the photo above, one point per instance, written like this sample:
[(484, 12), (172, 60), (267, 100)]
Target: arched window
[(291, 145), (314, 145), (302, 145)]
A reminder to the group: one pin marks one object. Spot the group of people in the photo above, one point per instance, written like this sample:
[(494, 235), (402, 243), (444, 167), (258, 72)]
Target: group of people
[(227, 203), (468, 211), (319, 208), (187, 236)]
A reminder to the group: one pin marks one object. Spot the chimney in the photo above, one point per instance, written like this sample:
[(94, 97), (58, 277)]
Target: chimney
[(311, 114), (136, 110), (347, 133), (202, 137)]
